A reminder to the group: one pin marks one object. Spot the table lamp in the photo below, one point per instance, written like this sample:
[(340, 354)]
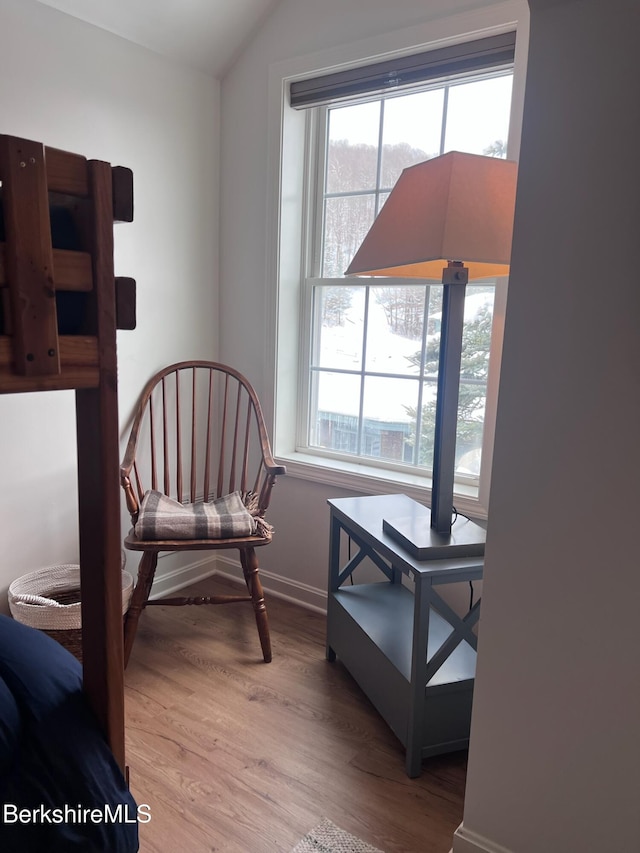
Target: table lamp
[(449, 218)]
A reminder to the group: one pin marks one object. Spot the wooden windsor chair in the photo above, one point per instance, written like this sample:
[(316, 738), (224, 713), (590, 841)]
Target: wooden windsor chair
[(198, 434)]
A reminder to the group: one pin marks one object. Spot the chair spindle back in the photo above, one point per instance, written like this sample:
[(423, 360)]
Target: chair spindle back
[(198, 434)]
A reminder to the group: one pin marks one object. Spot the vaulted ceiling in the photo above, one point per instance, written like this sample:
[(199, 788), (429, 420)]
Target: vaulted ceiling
[(205, 34)]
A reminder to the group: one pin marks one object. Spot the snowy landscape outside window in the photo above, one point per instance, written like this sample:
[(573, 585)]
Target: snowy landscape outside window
[(373, 362)]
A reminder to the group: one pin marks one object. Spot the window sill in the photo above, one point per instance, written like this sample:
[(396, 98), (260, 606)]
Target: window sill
[(356, 476)]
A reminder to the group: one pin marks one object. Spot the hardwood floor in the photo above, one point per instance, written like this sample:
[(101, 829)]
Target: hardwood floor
[(235, 755)]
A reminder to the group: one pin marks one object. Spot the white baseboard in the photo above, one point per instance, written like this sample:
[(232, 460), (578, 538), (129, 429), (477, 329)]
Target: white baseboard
[(299, 593), (467, 841), (172, 580)]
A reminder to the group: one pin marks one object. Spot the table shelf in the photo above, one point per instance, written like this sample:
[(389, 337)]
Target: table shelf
[(384, 612)]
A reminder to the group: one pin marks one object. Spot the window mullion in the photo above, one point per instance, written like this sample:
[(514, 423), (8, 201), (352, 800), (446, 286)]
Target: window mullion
[(379, 160), (443, 126), (363, 372), (320, 137)]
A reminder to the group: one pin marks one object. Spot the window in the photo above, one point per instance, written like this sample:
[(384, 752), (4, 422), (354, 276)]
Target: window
[(366, 350), (373, 363)]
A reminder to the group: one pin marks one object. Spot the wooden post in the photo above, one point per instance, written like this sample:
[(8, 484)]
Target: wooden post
[(99, 488)]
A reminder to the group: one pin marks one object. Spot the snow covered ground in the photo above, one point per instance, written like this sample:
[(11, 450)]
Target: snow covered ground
[(386, 398)]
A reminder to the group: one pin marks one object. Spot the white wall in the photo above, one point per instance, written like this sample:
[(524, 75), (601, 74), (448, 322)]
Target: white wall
[(304, 34), (555, 742), (72, 86)]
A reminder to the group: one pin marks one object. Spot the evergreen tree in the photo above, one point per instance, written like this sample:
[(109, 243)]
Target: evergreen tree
[(336, 301)]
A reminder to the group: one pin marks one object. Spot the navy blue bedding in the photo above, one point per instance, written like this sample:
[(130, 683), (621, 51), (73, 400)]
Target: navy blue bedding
[(54, 761)]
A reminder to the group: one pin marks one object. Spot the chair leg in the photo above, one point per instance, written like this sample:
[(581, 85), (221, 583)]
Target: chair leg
[(249, 563), (146, 573)]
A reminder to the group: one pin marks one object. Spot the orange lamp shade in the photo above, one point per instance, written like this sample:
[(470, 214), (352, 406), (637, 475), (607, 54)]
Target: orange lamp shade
[(457, 207)]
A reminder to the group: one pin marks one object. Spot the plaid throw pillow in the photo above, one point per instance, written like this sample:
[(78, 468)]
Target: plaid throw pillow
[(161, 517)]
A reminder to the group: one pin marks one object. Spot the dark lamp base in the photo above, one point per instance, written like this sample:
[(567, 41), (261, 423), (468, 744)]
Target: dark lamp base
[(415, 534)]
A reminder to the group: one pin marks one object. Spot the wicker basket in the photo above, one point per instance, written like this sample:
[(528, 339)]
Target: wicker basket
[(49, 599)]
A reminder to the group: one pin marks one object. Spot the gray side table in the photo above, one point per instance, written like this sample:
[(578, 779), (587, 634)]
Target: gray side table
[(410, 653)]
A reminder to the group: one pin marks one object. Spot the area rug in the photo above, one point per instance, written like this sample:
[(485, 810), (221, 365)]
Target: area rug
[(326, 837)]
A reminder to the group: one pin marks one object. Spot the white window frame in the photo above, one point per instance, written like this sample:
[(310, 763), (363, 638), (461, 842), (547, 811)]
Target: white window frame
[(292, 190)]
